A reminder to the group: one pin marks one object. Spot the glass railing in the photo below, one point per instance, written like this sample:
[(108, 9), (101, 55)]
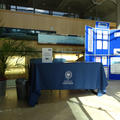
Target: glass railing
[(44, 37)]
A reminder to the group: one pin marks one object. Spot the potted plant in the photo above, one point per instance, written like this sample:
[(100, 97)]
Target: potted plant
[(10, 48)]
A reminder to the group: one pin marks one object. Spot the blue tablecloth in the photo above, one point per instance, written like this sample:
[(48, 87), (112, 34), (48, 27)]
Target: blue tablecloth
[(59, 76)]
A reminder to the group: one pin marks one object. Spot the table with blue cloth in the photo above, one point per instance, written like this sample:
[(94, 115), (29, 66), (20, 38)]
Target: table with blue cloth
[(65, 76)]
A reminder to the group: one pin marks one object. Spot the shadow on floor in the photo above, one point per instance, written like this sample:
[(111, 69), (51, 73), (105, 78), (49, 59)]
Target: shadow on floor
[(47, 96), (114, 89)]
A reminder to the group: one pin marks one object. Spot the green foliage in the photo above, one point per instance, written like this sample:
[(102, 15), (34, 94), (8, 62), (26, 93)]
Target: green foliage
[(10, 48)]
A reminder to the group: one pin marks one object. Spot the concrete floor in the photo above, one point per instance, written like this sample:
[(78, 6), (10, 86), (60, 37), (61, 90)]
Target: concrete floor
[(64, 105)]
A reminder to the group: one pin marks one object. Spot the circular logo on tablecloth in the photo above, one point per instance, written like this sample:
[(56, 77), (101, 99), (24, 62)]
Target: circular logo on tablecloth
[(68, 75)]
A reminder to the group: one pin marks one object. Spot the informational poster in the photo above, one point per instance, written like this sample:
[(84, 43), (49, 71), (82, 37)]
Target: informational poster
[(106, 71), (115, 65), (90, 40), (116, 51), (99, 44), (117, 34), (105, 44), (98, 59), (104, 60), (46, 55), (99, 34), (105, 35)]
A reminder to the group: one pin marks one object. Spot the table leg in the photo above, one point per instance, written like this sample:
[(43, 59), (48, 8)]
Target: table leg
[(101, 92), (59, 92)]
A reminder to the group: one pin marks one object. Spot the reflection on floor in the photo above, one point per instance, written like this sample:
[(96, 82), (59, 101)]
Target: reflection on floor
[(64, 105)]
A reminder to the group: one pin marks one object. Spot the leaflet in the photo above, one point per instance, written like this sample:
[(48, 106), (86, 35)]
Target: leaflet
[(99, 44), (90, 40), (105, 35), (99, 34), (105, 44), (98, 59), (104, 60)]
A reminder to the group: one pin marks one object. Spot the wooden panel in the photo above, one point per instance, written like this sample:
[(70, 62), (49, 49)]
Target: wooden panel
[(62, 25)]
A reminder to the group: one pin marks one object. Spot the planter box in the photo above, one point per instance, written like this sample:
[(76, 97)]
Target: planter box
[(2, 88)]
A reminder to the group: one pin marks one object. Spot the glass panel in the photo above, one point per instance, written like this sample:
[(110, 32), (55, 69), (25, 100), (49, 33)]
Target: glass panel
[(58, 13), (21, 34), (2, 6), (59, 39), (41, 11), (13, 7), (25, 9)]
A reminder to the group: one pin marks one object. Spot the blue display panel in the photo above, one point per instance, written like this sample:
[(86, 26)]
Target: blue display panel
[(100, 42), (106, 49), (114, 42), (114, 60), (100, 45)]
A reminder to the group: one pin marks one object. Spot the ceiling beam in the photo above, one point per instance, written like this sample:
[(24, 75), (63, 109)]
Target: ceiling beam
[(114, 2), (95, 5), (63, 4), (98, 2)]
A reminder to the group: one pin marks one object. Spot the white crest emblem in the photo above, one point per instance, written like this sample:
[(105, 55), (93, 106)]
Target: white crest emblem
[(68, 75)]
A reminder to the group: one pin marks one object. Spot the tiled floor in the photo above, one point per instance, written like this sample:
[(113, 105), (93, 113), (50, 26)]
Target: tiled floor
[(64, 105)]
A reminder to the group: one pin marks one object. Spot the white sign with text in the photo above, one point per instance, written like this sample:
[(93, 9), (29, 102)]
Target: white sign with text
[(46, 55)]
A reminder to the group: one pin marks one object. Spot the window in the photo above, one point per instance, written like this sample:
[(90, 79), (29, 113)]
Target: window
[(25, 9), (58, 13), (13, 8), (67, 57), (41, 11)]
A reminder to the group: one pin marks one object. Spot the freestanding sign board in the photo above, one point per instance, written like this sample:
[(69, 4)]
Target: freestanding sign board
[(46, 55)]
